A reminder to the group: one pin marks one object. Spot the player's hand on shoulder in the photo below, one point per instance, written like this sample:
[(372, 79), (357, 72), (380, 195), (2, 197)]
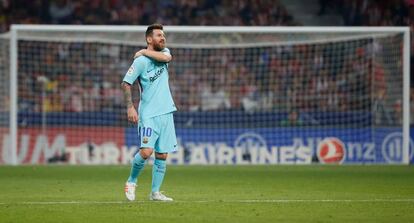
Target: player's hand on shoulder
[(139, 53)]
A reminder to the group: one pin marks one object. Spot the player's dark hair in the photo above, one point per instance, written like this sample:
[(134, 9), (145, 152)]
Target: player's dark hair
[(151, 28)]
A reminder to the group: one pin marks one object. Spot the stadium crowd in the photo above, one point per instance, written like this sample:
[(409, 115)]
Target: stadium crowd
[(79, 77), (370, 12), (273, 79), (131, 12)]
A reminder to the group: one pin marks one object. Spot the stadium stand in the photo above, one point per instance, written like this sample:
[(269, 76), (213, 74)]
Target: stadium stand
[(192, 92)]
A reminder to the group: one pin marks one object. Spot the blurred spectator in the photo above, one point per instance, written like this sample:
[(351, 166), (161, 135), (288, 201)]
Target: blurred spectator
[(73, 98), (61, 11), (398, 115), (292, 119), (214, 98), (52, 103)]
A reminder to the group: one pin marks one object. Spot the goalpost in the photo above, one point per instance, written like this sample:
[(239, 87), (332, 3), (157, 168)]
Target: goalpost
[(246, 95)]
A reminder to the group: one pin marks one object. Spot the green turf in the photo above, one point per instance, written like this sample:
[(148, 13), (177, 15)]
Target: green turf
[(210, 194)]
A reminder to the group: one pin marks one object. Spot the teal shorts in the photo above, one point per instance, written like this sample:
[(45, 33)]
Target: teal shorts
[(158, 133)]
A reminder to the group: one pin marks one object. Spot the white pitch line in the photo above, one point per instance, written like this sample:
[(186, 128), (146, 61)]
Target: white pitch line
[(216, 201), (73, 202), (323, 201)]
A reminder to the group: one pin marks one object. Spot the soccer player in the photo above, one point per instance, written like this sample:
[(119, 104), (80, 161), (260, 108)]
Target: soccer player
[(156, 107)]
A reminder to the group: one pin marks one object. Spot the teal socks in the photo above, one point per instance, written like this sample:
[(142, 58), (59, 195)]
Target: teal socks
[(158, 173), (137, 165)]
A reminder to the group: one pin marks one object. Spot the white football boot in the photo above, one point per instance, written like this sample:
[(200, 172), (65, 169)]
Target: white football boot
[(130, 191), (158, 196)]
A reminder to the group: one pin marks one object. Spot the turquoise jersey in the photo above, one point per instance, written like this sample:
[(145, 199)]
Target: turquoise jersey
[(153, 78)]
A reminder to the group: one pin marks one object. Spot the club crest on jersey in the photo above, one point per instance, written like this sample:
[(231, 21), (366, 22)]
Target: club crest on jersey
[(145, 140)]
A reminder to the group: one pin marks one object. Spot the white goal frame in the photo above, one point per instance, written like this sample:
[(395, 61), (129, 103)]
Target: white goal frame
[(14, 37)]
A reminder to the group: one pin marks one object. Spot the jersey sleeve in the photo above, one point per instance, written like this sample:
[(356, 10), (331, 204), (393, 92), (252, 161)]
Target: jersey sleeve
[(134, 71), (166, 51)]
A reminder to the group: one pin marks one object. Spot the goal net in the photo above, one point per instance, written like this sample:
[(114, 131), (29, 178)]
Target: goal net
[(245, 95)]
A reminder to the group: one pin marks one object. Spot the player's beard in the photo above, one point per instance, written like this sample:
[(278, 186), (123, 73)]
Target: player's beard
[(159, 46)]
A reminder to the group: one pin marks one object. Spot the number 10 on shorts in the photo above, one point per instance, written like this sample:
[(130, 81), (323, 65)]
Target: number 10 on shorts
[(145, 132)]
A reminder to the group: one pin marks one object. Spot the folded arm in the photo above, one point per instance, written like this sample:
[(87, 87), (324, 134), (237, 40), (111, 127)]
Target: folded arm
[(156, 55)]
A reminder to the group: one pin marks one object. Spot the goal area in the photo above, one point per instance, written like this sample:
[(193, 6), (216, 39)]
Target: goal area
[(245, 95)]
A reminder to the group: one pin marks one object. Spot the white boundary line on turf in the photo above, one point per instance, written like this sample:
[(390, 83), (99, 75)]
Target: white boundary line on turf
[(325, 201), (215, 201)]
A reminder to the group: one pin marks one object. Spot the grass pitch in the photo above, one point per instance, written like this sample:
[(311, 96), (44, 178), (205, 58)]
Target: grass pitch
[(210, 194)]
